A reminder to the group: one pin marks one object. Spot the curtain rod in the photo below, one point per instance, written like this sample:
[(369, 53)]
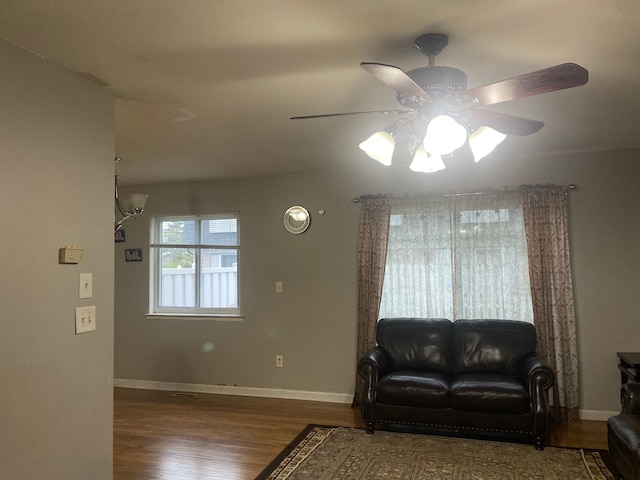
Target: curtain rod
[(374, 196)]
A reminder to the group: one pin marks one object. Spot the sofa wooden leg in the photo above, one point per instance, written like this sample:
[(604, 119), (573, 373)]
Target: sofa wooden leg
[(370, 427)]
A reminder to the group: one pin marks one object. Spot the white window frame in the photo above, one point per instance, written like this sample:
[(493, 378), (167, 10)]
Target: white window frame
[(155, 269)]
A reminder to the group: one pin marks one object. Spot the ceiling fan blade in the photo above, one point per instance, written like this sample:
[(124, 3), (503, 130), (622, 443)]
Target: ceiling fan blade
[(550, 79), (386, 112), (397, 79), (507, 124)]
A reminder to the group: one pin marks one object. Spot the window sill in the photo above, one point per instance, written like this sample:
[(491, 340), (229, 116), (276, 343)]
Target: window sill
[(217, 317)]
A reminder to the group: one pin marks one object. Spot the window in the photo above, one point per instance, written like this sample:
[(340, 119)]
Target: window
[(194, 267), (457, 257)]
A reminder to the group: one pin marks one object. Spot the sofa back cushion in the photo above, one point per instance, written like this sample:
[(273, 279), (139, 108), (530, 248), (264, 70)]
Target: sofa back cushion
[(422, 344), (491, 346)]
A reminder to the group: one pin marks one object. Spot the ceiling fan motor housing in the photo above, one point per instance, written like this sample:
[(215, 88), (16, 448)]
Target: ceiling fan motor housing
[(436, 81)]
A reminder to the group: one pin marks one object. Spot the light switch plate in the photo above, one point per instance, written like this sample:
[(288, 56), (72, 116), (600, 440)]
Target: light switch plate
[(85, 319), (85, 287)]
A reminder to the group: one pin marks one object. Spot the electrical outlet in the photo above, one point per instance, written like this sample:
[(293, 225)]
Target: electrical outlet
[(279, 360), (279, 286), (85, 319)]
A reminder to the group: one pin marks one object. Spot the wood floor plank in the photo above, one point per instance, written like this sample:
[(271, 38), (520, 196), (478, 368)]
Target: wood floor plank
[(158, 436)]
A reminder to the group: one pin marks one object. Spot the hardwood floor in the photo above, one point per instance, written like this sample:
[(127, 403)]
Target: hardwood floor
[(158, 436)]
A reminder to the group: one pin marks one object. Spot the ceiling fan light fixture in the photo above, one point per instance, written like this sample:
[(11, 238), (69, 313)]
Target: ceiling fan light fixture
[(444, 135), (379, 146), (425, 162), (483, 141), (446, 110)]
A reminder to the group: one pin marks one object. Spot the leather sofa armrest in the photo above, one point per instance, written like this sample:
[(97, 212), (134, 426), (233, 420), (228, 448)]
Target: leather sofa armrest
[(534, 368), (375, 364), (630, 397), (371, 367), (540, 378)]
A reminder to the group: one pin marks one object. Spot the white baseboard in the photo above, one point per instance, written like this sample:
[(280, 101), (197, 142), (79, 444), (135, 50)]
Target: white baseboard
[(599, 415), (231, 390)]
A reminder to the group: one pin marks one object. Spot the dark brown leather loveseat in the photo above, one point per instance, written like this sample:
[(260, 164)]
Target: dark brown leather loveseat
[(464, 377), (623, 433)]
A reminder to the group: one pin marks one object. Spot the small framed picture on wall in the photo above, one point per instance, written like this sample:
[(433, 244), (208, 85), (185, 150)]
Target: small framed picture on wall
[(133, 254), (120, 235)]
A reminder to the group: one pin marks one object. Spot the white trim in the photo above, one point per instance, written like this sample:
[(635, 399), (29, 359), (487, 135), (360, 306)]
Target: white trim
[(218, 317), (599, 415), (233, 390)]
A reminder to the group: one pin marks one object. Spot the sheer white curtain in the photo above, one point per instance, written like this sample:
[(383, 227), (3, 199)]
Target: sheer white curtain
[(459, 256)]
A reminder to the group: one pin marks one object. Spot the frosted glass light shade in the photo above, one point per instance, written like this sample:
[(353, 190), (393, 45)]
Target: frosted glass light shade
[(483, 141), (444, 135), (426, 163), (134, 202), (379, 146)]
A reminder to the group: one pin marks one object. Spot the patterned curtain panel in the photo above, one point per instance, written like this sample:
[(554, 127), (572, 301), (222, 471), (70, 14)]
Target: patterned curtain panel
[(458, 256), (372, 252), (545, 216)]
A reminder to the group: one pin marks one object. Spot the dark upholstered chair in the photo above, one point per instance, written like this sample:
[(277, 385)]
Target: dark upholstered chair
[(480, 377), (623, 432)]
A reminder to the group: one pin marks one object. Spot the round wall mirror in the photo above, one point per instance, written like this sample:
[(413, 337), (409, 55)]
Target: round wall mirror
[(296, 219)]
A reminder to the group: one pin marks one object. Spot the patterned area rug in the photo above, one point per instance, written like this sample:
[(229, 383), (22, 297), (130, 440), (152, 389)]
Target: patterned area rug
[(336, 453)]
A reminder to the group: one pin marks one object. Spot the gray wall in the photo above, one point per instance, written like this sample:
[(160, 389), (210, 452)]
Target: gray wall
[(56, 188), (313, 323)]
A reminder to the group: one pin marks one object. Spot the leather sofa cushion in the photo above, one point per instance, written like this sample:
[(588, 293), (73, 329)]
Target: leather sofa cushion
[(417, 343), (627, 432), (488, 392), (623, 436), (491, 346), (414, 388)]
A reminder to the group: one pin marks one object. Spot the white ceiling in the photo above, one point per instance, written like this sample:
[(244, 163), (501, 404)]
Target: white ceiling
[(205, 88)]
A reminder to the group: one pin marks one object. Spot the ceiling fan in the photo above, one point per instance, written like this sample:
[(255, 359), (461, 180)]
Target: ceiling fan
[(436, 91)]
